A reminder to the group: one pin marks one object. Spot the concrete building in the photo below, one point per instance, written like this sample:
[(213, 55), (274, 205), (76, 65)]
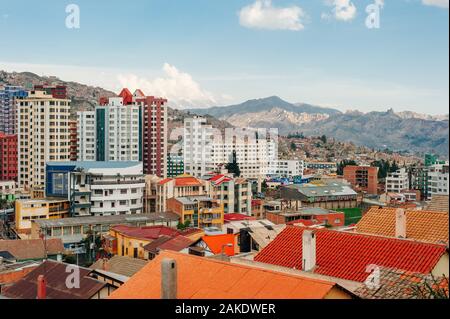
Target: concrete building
[(325, 194), (198, 139), (201, 211), (323, 167), (117, 131), (397, 181), (27, 210), (86, 136), (150, 193), (73, 230), (8, 190), (175, 165), (362, 178), (73, 140), (206, 150), (438, 180), (43, 136), (234, 193), (98, 188), (8, 157), (179, 186), (289, 168), (8, 108)]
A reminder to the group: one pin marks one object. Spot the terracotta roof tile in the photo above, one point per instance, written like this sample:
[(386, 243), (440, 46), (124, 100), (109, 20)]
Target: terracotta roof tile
[(217, 242), (147, 232), (214, 279), (346, 255), (32, 248), (421, 225)]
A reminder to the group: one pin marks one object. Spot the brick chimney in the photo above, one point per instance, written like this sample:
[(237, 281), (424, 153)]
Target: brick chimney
[(400, 223), (309, 250), (169, 279), (41, 287)]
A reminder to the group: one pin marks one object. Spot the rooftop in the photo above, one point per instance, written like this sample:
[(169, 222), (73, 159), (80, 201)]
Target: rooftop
[(115, 219), (421, 225), (346, 255), (236, 217), (214, 279), (218, 243), (55, 275), (328, 189), (182, 181), (121, 265), (32, 248)]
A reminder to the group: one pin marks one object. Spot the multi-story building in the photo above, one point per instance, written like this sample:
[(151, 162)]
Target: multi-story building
[(179, 186), (362, 178), (397, 181), (198, 138), (8, 190), (328, 167), (154, 133), (97, 188), (201, 211), (27, 210), (8, 157), (150, 193), (8, 108), (57, 91), (234, 193), (117, 131), (206, 150), (175, 165), (438, 183), (418, 180), (289, 168), (43, 136), (73, 140), (86, 136)]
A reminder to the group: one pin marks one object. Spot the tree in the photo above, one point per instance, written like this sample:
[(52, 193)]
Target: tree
[(233, 167), (342, 164), (323, 138), (293, 146), (432, 289)]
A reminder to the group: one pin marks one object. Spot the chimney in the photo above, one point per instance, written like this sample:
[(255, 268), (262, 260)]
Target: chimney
[(309, 250), (105, 264), (1, 260), (400, 223), (169, 279), (41, 287)]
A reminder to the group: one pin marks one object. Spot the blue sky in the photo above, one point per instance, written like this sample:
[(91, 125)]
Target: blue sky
[(217, 52)]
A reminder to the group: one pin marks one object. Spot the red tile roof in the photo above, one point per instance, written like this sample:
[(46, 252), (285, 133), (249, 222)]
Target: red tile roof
[(32, 248), (205, 278), (217, 242), (219, 179), (182, 180), (148, 232), (346, 255), (232, 217)]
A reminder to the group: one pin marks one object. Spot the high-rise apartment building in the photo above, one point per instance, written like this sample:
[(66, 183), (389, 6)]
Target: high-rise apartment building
[(43, 135), (117, 131), (205, 149), (438, 183), (363, 178), (8, 157), (154, 133), (73, 139), (397, 181), (8, 108), (86, 140)]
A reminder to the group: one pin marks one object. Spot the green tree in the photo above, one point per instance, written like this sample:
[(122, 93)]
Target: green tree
[(342, 164), (323, 138), (293, 146), (233, 167)]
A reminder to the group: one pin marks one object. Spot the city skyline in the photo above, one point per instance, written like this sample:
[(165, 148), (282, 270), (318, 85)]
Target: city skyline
[(317, 52)]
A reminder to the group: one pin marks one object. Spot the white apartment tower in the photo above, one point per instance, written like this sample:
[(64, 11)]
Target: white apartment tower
[(397, 181), (110, 133), (438, 176), (86, 136), (43, 135)]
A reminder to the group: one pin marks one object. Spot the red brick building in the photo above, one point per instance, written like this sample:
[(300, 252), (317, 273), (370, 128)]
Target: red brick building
[(362, 178), (154, 135), (73, 140), (8, 157)]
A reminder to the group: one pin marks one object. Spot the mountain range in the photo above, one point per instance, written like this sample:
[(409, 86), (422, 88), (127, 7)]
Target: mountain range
[(402, 131), (417, 133)]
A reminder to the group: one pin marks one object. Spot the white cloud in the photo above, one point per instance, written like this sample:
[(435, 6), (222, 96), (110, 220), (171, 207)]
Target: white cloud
[(436, 3), (344, 10), (178, 87), (262, 15)]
